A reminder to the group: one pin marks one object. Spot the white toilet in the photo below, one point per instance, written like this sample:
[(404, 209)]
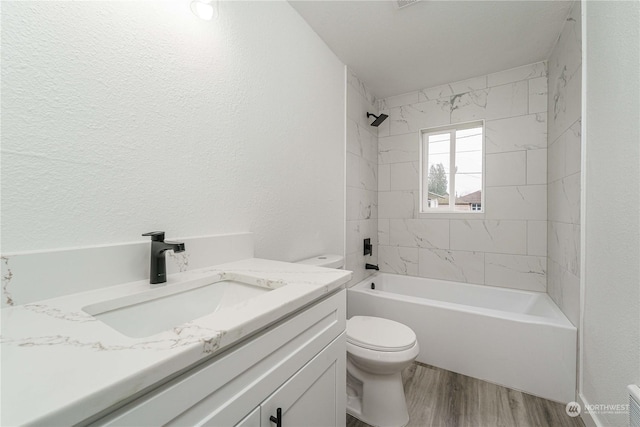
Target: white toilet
[(377, 351)]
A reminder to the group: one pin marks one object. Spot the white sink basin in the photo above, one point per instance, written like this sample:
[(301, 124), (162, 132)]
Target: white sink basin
[(157, 310)]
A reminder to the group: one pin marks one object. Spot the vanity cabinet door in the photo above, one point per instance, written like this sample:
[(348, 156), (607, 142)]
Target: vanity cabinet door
[(251, 420), (315, 396), (223, 391)]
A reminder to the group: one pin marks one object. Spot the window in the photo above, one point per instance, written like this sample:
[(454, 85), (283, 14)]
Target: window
[(452, 164)]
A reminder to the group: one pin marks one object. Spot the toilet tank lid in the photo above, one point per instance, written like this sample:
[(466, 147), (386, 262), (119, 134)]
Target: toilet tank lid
[(380, 334), (325, 260)]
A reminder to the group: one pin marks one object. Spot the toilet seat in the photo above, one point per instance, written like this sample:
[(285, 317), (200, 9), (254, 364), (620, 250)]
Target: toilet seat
[(377, 352), (378, 334)]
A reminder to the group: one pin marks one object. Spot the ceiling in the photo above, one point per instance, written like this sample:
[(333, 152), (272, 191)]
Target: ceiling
[(433, 42)]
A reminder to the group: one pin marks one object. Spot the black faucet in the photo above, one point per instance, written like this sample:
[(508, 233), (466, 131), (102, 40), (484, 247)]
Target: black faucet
[(158, 267), (371, 267)]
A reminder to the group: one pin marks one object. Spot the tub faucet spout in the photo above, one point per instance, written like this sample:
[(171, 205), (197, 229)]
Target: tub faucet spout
[(158, 264), (371, 267)]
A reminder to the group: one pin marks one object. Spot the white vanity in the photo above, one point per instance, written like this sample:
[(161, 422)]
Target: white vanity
[(278, 351)]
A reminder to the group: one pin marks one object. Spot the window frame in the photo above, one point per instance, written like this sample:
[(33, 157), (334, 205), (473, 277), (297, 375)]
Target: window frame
[(424, 174)]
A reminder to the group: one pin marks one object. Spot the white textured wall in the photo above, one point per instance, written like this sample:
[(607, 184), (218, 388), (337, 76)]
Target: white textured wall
[(504, 246), (611, 318), (125, 117), (563, 167), (362, 178)]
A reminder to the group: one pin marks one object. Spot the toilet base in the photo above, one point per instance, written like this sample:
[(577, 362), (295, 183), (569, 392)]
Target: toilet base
[(377, 400)]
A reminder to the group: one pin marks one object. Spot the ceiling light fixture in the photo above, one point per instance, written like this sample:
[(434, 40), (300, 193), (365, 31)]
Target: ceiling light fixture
[(205, 9)]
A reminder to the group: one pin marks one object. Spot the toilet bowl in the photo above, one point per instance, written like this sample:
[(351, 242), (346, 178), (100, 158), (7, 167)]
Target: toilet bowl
[(377, 352)]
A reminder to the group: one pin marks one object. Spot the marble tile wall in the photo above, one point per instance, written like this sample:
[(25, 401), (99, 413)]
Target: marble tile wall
[(563, 172), (505, 246), (361, 177)]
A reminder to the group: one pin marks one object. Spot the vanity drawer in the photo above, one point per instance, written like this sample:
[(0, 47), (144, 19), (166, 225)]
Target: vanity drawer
[(238, 380)]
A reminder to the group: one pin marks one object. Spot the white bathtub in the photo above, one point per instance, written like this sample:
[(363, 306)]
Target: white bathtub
[(518, 339)]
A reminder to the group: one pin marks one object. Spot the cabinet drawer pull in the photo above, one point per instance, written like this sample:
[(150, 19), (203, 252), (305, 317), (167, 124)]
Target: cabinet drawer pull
[(278, 418)]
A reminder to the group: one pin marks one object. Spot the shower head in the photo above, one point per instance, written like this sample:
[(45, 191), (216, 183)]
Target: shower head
[(379, 119)]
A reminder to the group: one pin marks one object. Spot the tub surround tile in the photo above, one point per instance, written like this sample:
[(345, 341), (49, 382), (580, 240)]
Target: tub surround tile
[(399, 100), (364, 176), (56, 332), (564, 112), (361, 141), (361, 204), (564, 198), (564, 158), (461, 266), (526, 72), (355, 263), (353, 170), (468, 85), (564, 288), (419, 233), (398, 260), (413, 117), (442, 91), (564, 154), (508, 237), (492, 103), (565, 75), (399, 148), (398, 204), (555, 160), (469, 106), (368, 174), (357, 109), (451, 89), (383, 231), (404, 176), (538, 95), (354, 81), (554, 282), (528, 132), (573, 149), (536, 167), (352, 234), (383, 129), (537, 238), (384, 177), (571, 299), (516, 271), (564, 245), (506, 169), (528, 202), (514, 105), (357, 231)]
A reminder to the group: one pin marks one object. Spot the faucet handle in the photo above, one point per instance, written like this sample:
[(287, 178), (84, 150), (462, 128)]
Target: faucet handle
[(156, 236)]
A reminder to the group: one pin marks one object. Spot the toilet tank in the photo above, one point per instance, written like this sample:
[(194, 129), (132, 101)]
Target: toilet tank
[(325, 260)]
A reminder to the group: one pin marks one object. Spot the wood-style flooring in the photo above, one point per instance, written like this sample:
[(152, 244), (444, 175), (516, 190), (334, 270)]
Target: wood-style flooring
[(439, 398)]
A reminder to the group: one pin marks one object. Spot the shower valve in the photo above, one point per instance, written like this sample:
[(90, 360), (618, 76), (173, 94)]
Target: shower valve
[(368, 248)]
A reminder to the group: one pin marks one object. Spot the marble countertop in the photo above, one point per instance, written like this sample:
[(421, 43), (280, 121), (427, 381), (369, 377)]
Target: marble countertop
[(60, 365)]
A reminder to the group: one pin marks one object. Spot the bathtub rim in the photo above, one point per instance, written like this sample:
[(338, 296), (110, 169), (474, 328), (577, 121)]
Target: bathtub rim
[(560, 321)]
